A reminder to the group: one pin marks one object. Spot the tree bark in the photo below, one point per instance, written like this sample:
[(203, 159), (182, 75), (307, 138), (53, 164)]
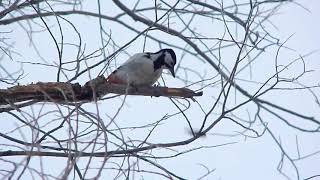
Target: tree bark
[(65, 92)]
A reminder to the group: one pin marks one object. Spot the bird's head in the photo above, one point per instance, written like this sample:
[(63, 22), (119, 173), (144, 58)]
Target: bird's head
[(166, 60)]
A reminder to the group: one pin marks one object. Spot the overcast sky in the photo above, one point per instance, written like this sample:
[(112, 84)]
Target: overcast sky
[(251, 158)]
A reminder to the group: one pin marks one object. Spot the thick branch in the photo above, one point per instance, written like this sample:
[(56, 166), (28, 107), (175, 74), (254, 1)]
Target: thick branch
[(96, 88)]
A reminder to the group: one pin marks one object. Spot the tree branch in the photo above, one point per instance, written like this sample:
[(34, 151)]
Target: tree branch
[(74, 92)]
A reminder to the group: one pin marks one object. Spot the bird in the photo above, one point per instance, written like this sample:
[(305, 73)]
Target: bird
[(144, 69)]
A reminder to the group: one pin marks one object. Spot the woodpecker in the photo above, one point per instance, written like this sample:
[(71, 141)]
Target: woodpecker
[(144, 69)]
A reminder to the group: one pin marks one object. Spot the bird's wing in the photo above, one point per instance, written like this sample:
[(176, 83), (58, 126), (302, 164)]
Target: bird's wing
[(132, 64), (137, 58)]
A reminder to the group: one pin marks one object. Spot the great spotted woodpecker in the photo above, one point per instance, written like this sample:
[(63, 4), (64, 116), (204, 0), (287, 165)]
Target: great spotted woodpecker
[(144, 69)]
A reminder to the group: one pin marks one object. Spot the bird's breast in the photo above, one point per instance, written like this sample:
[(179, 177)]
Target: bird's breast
[(146, 75), (138, 74)]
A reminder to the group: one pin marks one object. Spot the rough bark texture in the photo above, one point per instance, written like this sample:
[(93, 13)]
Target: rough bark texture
[(94, 89)]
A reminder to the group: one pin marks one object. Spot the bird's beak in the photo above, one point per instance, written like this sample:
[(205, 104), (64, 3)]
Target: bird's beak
[(171, 69)]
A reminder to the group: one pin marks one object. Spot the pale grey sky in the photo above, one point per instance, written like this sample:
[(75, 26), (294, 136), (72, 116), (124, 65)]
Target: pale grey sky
[(247, 158)]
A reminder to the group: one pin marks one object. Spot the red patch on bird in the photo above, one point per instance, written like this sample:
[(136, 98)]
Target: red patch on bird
[(112, 78)]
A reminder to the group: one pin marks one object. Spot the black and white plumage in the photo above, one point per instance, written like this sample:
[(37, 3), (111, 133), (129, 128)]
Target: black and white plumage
[(144, 69)]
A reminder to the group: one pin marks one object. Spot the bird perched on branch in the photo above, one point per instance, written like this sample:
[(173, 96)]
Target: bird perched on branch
[(144, 69)]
